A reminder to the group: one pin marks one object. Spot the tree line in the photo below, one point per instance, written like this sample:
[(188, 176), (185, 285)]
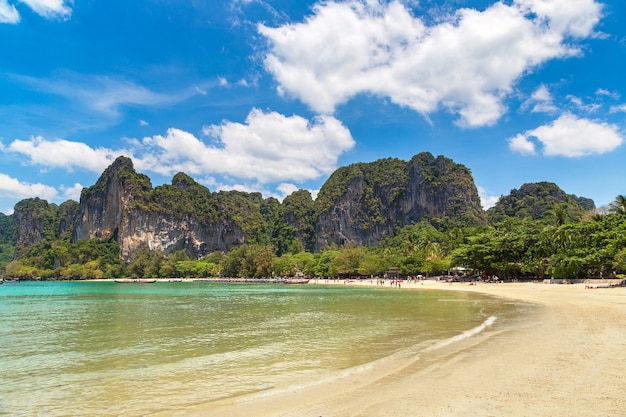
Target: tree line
[(595, 246)]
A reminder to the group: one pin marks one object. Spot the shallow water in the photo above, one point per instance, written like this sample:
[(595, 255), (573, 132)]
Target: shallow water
[(107, 349)]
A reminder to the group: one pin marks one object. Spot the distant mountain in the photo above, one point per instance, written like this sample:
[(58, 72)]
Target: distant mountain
[(540, 201)]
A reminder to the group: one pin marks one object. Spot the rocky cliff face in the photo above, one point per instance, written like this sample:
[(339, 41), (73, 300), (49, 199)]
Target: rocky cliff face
[(123, 206), (169, 233), (358, 204), (364, 202), (105, 208), (34, 221)]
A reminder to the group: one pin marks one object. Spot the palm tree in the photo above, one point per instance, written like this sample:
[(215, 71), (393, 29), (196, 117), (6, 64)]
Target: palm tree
[(619, 205)]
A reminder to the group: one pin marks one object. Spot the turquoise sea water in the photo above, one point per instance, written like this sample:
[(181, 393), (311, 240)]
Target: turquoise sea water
[(107, 349)]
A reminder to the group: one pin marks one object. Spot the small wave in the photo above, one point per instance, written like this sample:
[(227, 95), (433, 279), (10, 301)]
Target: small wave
[(466, 334), (412, 353)]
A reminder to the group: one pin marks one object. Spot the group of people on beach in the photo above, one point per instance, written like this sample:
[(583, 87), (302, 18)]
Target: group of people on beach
[(393, 282)]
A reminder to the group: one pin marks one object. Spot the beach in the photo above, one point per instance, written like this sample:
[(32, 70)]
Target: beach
[(565, 360)]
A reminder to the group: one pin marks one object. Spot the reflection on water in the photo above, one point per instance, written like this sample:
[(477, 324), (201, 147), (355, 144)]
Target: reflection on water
[(85, 348)]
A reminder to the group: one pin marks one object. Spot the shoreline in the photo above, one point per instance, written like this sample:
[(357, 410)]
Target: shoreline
[(566, 361)]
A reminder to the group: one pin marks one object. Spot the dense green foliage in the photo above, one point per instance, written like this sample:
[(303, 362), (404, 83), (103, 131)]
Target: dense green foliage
[(7, 229), (7, 239), (385, 174), (61, 259), (543, 201), (184, 197), (456, 182), (519, 248), (299, 212), (41, 218)]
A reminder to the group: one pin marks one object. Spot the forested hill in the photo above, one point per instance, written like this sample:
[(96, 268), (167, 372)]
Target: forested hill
[(540, 201)]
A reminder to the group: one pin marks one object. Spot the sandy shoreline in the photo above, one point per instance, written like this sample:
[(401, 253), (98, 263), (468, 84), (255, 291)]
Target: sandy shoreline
[(568, 361)]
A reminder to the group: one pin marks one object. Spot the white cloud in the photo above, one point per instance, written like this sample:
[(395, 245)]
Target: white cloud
[(73, 192), (466, 64), (486, 200), (13, 188), (65, 154), (286, 189), (8, 13), (570, 136), (618, 109), (50, 9), (521, 144), (269, 147), (579, 104), (541, 101), (576, 18), (606, 93)]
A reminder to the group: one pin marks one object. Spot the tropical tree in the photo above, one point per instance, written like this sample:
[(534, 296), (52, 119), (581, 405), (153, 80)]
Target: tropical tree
[(619, 205)]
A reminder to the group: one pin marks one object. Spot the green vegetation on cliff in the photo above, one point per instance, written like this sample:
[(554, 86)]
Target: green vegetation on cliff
[(7, 239), (543, 201), (184, 197), (299, 212), (381, 183), (536, 231), (453, 187), (137, 185)]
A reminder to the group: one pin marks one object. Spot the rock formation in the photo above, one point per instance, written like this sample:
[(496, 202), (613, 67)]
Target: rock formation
[(358, 204), (362, 203), (122, 205)]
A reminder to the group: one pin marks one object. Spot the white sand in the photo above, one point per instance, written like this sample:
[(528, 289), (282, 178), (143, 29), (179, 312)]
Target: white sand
[(569, 361)]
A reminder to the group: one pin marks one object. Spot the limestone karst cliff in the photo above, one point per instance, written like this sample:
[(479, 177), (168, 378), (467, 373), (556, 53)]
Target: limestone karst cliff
[(359, 204), (122, 205), (34, 221), (363, 202)]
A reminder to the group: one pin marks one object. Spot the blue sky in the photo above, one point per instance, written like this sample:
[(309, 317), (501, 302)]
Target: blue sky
[(274, 95)]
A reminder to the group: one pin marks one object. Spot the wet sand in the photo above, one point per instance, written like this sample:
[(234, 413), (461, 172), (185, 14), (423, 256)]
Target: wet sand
[(568, 359)]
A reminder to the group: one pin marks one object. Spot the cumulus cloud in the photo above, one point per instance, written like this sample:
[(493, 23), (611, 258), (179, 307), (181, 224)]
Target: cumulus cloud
[(521, 144), (569, 136), (14, 188), (268, 147), (65, 154), (72, 192), (467, 63)]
